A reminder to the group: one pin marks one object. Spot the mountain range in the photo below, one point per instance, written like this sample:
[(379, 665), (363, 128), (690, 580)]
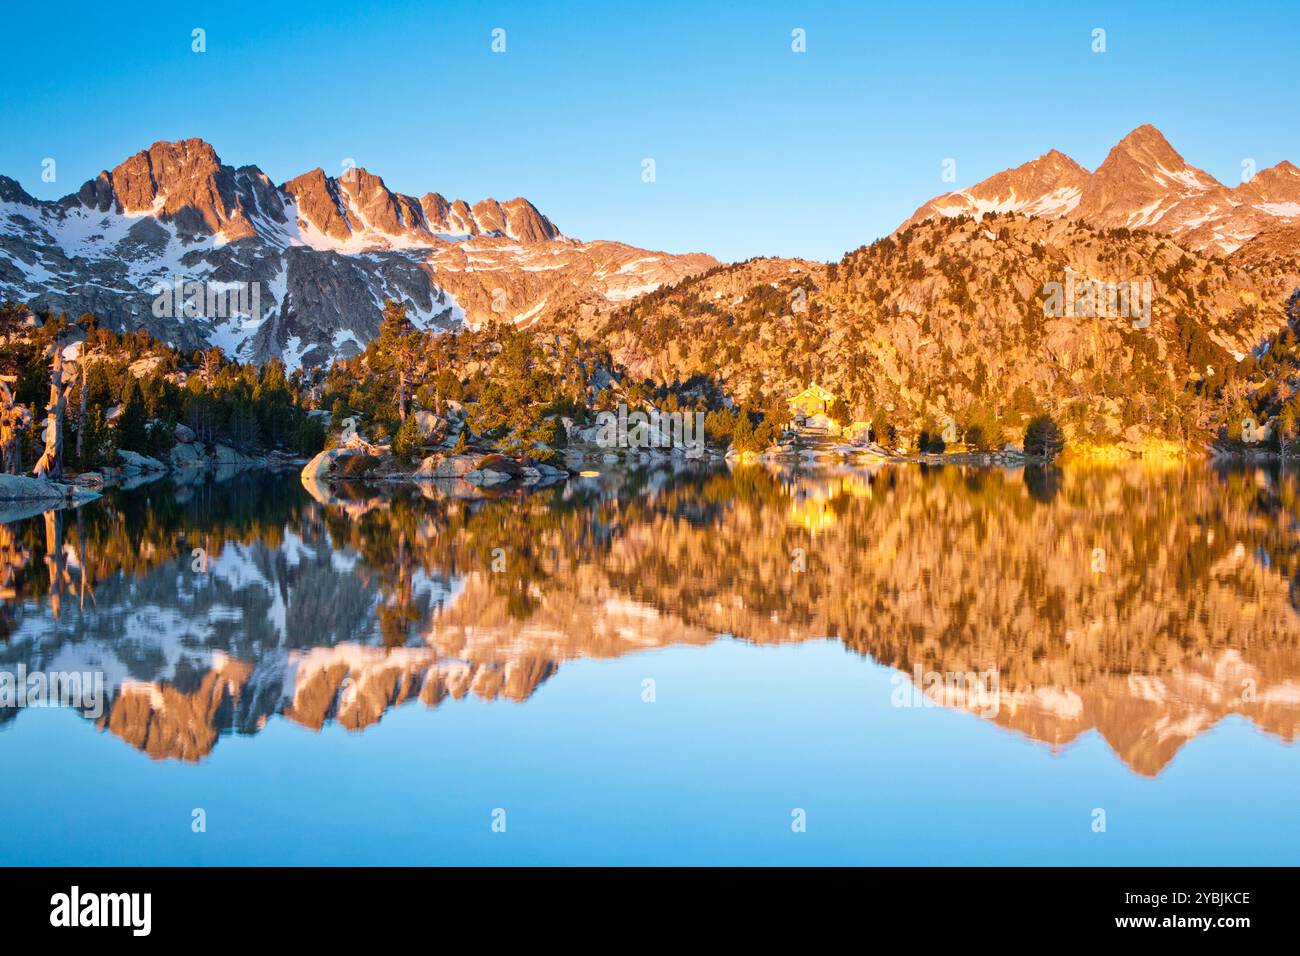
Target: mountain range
[(1142, 184), (949, 318), (325, 252)]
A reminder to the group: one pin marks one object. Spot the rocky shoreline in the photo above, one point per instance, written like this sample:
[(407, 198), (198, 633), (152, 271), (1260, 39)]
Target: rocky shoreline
[(479, 472), (467, 472), (189, 460)]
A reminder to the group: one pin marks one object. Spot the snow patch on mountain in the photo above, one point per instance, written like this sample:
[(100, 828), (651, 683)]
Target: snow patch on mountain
[(323, 253), (1142, 184)]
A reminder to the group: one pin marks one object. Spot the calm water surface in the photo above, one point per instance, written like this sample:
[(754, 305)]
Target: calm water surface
[(655, 668)]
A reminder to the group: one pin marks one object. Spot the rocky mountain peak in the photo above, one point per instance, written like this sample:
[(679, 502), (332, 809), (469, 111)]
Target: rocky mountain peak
[(1048, 185), (1056, 164), (1143, 183), (12, 191), (1144, 180), (317, 200), (379, 207), (1048, 173), (1276, 184), (516, 218), (358, 203), (184, 182), (436, 209), (1144, 157), (322, 253), (1147, 141)]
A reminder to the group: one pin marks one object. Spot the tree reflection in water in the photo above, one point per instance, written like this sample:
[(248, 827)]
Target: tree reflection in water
[(1144, 603)]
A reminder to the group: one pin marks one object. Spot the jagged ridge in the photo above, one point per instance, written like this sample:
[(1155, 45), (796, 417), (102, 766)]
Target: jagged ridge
[(1143, 183), (324, 252)]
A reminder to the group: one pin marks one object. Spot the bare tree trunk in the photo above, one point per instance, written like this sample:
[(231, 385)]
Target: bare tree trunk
[(13, 560), (50, 464), (54, 560), (81, 417), (82, 580), (14, 420)]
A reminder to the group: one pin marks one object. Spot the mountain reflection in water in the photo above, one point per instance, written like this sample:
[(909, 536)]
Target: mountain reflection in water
[(1145, 604)]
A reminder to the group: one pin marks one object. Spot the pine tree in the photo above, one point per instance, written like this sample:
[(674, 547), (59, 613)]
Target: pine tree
[(399, 345), (132, 433), (95, 440), (407, 441), (742, 437), (1043, 439)]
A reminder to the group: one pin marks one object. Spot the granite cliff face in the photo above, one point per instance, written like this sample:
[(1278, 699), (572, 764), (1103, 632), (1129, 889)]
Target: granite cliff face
[(324, 254)]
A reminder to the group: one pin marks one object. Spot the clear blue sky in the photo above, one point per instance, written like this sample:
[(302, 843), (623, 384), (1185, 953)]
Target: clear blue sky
[(759, 151)]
